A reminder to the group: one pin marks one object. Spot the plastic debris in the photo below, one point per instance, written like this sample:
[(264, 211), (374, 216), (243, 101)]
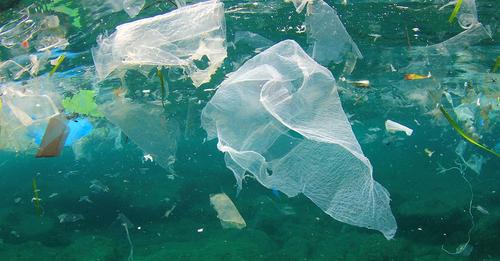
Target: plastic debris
[(169, 211), (133, 7), (414, 76), (144, 124), (481, 209), (227, 211), (54, 138), (70, 218), (57, 62), (36, 198), (497, 64), (392, 127), (280, 114), (29, 108), (96, 186), (464, 135), (85, 199), (178, 38), (473, 35), (455, 11), (127, 224), (22, 28), (326, 35), (82, 103)]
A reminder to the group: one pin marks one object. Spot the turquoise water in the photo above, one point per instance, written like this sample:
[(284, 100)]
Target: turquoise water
[(436, 199)]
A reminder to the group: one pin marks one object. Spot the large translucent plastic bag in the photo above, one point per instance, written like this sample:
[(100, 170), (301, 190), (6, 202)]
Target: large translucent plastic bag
[(145, 124), (279, 117), (327, 37), (185, 37)]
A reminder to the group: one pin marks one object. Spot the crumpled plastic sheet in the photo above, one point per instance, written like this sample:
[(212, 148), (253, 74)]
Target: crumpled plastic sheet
[(280, 119), (145, 124), (178, 38)]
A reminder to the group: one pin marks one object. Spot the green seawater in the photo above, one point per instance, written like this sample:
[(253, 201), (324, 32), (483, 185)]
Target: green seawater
[(436, 199)]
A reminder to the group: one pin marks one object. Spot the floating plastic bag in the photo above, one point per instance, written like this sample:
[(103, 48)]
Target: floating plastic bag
[(227, 211), (178, 38), (145, 124), (327, 37), (279, 118)]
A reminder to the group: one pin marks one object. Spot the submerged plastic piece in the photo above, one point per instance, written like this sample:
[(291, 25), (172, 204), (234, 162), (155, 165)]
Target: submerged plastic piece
[(54, 138), (57, 63), (473, 35), (29, 108), (455, 11), (20, 28), (178, 38), (133, 7), (392, 127), (327, 37), (465, 11), (70, 217), (279, 117), (299, 4), (497, 64), (82, 103), (145, 124), (464, 135), (227, 211), (78, 128)]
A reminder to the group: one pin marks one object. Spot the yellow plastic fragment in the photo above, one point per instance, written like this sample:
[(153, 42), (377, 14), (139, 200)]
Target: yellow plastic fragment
[(59, 60), (455, 11)]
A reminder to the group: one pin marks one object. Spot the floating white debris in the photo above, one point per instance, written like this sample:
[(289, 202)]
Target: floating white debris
[(96, 186), (227, 211), (482, 210), (85, 199), (147, 157), (392, 127), (69, 218), (169, 211)]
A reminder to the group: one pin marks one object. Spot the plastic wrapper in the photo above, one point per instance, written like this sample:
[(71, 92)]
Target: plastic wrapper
[(392, 127), (227, 211), (178, 38), (279, 117)]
